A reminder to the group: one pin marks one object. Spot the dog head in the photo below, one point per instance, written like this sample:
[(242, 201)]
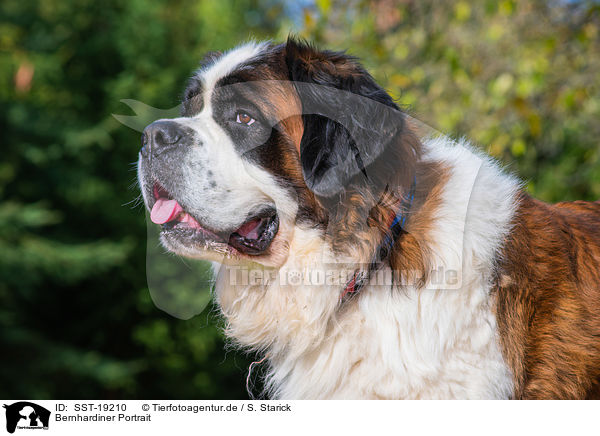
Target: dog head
[(272, 137)]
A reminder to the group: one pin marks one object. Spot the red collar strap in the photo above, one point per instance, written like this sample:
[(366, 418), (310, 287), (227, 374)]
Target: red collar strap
[(396, 227), (353, 286)]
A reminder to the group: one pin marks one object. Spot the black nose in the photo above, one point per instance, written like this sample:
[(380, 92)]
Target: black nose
[(159, 136)]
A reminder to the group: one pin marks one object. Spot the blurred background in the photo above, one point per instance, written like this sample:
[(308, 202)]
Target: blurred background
[(519, 78)]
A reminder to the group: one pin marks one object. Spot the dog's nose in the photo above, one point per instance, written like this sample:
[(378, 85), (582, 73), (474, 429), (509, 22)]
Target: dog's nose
[(159, 136)]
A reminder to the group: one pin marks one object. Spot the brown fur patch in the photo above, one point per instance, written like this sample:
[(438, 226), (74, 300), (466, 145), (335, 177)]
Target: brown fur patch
[(410, 255), (548, 300)]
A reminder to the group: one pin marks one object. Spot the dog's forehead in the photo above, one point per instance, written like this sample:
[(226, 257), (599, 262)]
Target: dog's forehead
[(227, 64), (214, 69)]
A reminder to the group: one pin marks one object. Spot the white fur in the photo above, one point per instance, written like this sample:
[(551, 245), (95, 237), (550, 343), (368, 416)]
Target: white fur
[(401, 343), (228, 63)]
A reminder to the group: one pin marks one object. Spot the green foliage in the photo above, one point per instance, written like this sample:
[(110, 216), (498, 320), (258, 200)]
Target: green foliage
[(76, 317), (520, 79)]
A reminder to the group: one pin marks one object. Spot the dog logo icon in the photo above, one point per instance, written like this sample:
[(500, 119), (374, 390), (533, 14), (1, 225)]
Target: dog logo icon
[(26, 415)]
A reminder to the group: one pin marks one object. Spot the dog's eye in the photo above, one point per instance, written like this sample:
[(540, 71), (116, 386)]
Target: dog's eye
[(244, 118)]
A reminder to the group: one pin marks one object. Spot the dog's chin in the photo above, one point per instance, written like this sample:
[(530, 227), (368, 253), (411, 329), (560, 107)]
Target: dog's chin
[(188, 243)]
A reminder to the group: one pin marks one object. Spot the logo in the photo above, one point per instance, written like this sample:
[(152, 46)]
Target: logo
[(26, 415)]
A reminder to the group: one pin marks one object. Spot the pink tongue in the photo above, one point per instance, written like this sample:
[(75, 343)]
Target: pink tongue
[(164, 211), (250, 229)]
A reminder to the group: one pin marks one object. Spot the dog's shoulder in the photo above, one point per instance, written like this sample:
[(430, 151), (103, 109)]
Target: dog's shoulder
[(548, 300), (584, 215)]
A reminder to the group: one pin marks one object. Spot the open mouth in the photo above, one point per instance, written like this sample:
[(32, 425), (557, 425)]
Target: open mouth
[(253, 237)]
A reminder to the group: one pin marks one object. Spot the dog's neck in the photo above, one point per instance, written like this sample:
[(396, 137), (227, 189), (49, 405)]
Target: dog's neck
[(317, 347)]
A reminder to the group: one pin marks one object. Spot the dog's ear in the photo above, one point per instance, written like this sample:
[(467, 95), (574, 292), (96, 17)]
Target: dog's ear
[(352, 128)]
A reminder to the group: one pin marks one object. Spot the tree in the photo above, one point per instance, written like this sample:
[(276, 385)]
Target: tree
[(76, 318), (520, 79)]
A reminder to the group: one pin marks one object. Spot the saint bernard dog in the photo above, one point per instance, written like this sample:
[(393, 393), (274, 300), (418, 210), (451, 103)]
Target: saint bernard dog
[(360, 257)]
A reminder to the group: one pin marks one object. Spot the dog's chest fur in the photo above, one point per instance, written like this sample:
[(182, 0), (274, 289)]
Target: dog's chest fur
[(436, 341)]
